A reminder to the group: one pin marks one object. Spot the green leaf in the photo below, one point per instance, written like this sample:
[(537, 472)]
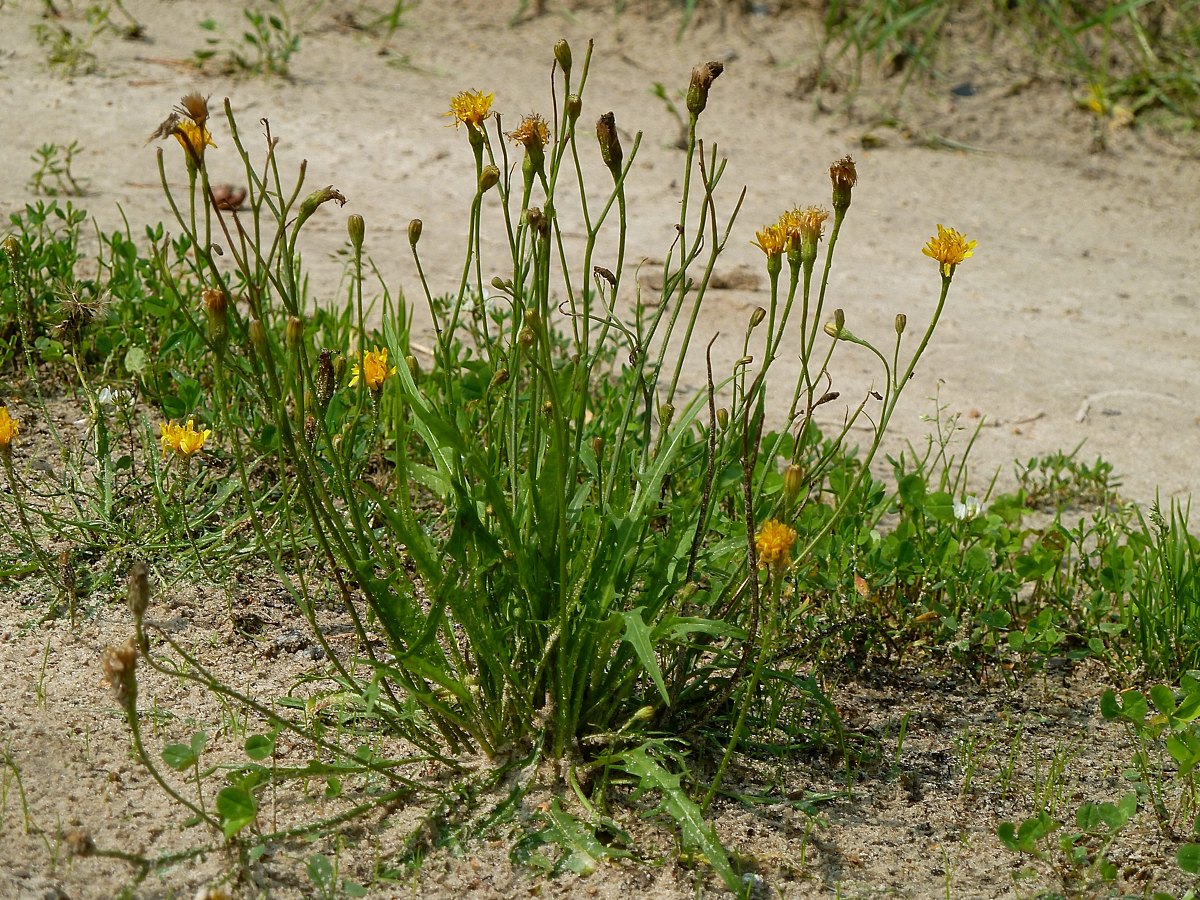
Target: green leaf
[(637, 635), (260, 746), (1189, 858), (179, 757), (696, 834), (1163, 699), (135, 360), (320, 873), (237, 808)]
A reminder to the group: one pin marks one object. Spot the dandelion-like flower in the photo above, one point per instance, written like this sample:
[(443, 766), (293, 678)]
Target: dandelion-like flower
[(186, 441), (771, 240), (9, 429), (531, 132), (805, 226), (373, 370), (470, 108), (774, 544), (949, 248)]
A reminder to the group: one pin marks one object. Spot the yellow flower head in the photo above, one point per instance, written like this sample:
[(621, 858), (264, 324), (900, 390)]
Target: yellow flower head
[(772, 240), (191, 135), (949, 248), (532, 132), (804, 226), (774, 544), (9, 428), (471, 108), (374, 369), (186, 441)]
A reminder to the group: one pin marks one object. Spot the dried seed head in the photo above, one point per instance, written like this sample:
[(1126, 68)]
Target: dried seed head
[(610, 143), (326, 380), (194, 107), (702, 78), (138, 585), (537, 221), (118, 665), (844, 176), (313, 202)]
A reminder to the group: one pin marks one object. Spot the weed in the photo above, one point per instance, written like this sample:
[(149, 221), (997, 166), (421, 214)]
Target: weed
[(53, 175)]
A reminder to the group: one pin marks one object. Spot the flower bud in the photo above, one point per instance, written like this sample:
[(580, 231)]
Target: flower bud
[(610, 143), (573, 107), (757, 316), (844, 176), (793, 482), (258, 338), (839, 318), (414, 367), (295, 331), (357, 228), (597, 446), (901, 322), (414, 232), (499, 378), (702, 78), (562, 55), (527, 337), (488, 178), (326, 380), (666, 412), (216, 309), (723, 418), (138, 585)]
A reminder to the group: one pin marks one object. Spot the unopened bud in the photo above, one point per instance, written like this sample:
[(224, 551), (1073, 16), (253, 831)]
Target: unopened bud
[(839, 318), (414, 232), (702, 78), (757, 316), (793, 482), (666, 413), (258, 338), (597, 446), (547, 409), (12, 247), (562, 55), (573, 107), (488, 178), (326, 380), (744, 361), (827, 397), (610, 143), (414, 367), (499, 378), (526, 337), (901, 322), (499, 284), (339, 369), (138, 586), (357, 228), (295, 331), (216, 309), (723, 418)]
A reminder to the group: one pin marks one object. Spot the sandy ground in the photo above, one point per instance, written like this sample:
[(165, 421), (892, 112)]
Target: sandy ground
[(1076, 321)]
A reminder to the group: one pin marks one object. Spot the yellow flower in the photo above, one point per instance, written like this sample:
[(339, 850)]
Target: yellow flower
[(774, 544), (9, 428), (185, 441), (470, 108), (804, 226), (772, 240), (949, 248), (189, 134), (532, 132), (374, 369)]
